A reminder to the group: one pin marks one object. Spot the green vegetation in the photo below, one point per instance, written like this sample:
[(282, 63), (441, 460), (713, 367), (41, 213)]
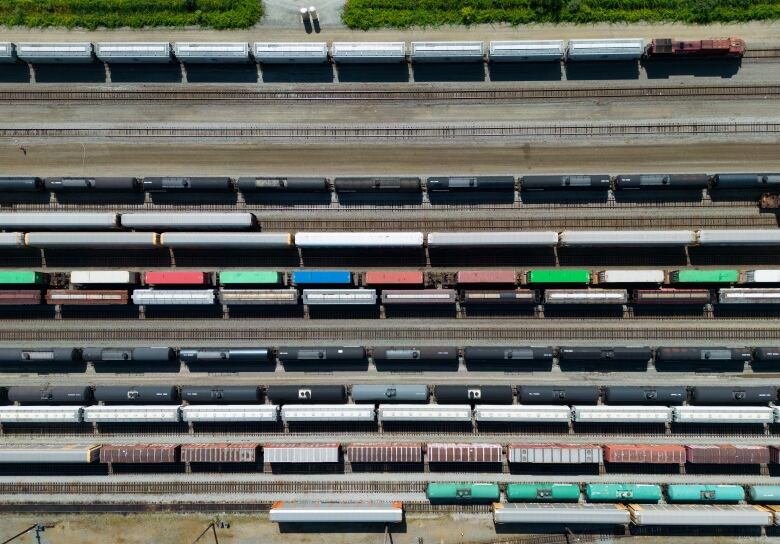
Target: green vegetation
[(92, 14), (365, 14)]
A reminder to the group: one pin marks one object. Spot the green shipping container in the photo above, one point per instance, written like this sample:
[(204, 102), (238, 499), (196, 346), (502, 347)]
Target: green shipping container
[(623, 492), (765, 493), (543, 492), (705, 493), (256, 277), (20, 277), (704, 276), (558, 276), (463, 493)]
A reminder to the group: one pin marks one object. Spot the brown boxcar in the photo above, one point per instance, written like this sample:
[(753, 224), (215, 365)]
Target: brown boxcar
[(380, 277), (504, 277), (727, 454), (139, 453), (219, 453), (641, 453), (384, 453), (774, 454), (86, 297), (20, 296), (463, 453)]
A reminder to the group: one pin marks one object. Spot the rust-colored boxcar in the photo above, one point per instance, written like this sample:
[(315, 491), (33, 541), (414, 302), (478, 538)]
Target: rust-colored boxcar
[(384, 453), (463, 453), (644, 453), (219, 453), (727, 454)]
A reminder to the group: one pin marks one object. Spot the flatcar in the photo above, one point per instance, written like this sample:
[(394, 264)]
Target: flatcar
[(224, 355), (423, 353), (282, 184), (669, 47), (92, 185), (304, 354), (187, 183), (662, 181), (470, 183), (600, 182), (377, 184)]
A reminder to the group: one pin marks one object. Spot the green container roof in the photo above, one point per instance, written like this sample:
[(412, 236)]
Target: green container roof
[(705, 276), (558, 276), (543, 492), (249, 276), (19, 277)]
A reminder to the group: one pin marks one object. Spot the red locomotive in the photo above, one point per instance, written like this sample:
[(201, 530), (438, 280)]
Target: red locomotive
[(668, 47)]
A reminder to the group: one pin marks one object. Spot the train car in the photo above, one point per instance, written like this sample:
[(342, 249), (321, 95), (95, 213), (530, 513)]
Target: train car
[(13, 240), (473, 394), (41, 414), (331, 413), (662, 181), (334, 353), (474, 354), (359, 239), (49, 454), (339, 297), (633, 238), (377, 184), (634, 493), (761, 276), (230, 413), (749, 296), (415, 413), (670, 395), (212, 52), (493, 239), (384, 453), (373, 394), (667, 354), (516, 413), (226, 240), (219, 453), (133, 52), (738, 415), (290, 52), (148, 413), (21, 277), (605, 354), (599, 182), (231, 297), (447, 52), (297, 394), (622, 414), (173, 297), (282, 184), (321, 277), (672, 296), (352, 513), (692, 515), (543, 492), (741, 237), (463, 453), (91, 185), (697, 493), (81, 297), (20, 184), (464, 493), (148, 354), (765, 494), (486, 277), (190, 221), (78, 395), (103, 277), (631, 276), (669, 47), (117, 241), (39, 355), (58, 220), (377, 277), (527, 51), (423, 353), (561, 514), (704, 276), (727, 454), (556, 276), (139, 453), (250, 277), (419, 296), (606, 49), (470, 183), (554, 394), (224, 355), (301, 453), (140, 395), (187, 183), (716, 395), (767, 354), (368, 52), (565, 454), (20, 297), (51, 53), (585, 296), (223, 394), (644, 454), (745, 181), (171, 277), (517, 296)]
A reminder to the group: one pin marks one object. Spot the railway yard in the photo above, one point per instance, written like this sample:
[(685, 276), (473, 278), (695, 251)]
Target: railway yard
[(490, 290)]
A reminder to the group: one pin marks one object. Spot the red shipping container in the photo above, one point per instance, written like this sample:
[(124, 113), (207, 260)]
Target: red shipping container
[(384, 453), (139, 453), (175, 278), (640, 453), (393, 278), (219, 453), (463, 453), (505, 277), (22, 296), (727, 454)]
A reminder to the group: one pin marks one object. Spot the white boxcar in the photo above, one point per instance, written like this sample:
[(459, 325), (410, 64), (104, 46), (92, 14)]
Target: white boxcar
[(7, 52), (522, 413), (302, 512), (301, 453), (628, 237), (131, 52), (39, 53), (40, 414), (230, 412), (226, 240), (89, 277), (590, 514), (739, 237), (606, 49), (585, 296), (762, 276), (290, 52), (132, 414), (39, 454), (358, 239), (327, 412), (447, 52), (554, 453), (492, 239), (339, 297), (749, 296), (188, 297), (424, 412), (11, 239), (368, 52), (695, 515), (58, 220), (723, 414), (631, 276), (527, 51), (622, 414), (168, 220), (200, 52)]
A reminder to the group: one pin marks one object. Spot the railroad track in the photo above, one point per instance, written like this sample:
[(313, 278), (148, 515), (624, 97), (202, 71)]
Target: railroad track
[(414, 93), (394, 132)]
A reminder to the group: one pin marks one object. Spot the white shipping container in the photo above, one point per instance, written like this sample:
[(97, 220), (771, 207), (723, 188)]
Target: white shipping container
[(723, 414), (424, 412), (40, 414), (762, 276), (585, 296), (231, 412), (301, 453), (132, 414), (631, 276), (622, 414), (555, 453), (522, 413), (87, 277), (328, 412), (358, 239), (628, 237), (339, 296)]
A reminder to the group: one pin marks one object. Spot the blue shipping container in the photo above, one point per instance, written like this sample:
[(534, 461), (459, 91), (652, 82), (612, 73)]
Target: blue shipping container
[(322, 277)]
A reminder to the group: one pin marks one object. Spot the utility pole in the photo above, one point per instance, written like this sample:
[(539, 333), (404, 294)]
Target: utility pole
[(38, 528)]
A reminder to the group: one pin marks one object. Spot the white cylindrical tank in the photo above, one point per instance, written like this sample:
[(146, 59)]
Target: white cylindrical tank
[(313, 13)]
